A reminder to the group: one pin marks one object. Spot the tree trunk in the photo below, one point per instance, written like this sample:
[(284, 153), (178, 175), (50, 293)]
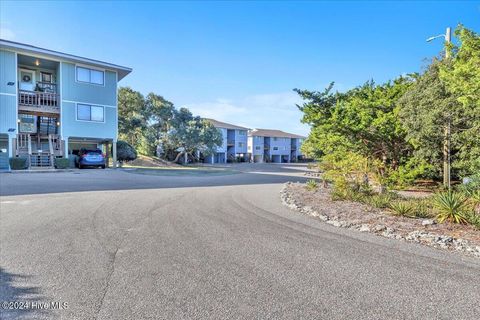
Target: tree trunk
[(177, 158)]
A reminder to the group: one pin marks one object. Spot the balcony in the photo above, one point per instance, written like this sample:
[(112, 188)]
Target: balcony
[(230, 143), (39, 101)]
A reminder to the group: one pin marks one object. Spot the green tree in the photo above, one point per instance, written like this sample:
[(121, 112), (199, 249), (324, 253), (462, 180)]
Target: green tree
[(461, 75), (160, 114), (188, 134), (132, 118), (363, 120), (428, 110)]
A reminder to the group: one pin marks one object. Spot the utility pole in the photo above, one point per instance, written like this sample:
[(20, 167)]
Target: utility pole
[(447, 130), (446, 147)]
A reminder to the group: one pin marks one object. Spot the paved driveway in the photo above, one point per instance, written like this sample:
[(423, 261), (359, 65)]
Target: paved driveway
[(119, 245)]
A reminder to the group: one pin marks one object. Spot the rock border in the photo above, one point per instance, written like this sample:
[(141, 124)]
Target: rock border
[(418, 236)]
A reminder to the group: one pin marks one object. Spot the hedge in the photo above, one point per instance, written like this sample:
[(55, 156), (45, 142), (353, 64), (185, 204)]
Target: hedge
[(18, 163), (62, 163)]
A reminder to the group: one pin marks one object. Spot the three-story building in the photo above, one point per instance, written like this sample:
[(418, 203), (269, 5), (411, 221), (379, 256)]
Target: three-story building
[(267, 145), (52, 104), (234, 145)]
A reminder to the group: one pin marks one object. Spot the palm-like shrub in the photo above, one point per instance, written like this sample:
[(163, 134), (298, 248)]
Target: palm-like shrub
[(312, 185), (401, 208), (451, 206)]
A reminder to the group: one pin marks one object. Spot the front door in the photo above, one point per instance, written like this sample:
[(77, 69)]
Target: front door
[(27, 80)]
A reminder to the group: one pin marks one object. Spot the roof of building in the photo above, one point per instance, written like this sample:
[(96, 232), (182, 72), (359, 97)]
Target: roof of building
[(7, 44), (219, 124), (274, 133)]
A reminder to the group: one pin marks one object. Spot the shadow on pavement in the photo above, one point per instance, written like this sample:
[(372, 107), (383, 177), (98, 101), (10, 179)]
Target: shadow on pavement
[(104, 180), (17, 300)]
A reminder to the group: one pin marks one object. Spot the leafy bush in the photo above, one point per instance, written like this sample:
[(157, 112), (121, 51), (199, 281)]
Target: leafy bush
[(62, 163), (406, 174), (312, 185), (401, 208), (18, 163), (346, 170), (472, 186), (451, 206), (125, 152)]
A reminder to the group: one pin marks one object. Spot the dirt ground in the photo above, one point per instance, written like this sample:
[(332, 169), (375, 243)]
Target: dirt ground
[(358, 213)]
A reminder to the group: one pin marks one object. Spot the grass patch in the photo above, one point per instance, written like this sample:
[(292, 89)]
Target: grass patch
[(180, 171)]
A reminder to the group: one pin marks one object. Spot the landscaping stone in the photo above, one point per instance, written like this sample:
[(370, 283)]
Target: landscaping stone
[(428, 222)]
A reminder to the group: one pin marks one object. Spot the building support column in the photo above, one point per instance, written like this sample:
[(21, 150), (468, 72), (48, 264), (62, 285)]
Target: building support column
[(114, 154), (107, 154), (65, 147)]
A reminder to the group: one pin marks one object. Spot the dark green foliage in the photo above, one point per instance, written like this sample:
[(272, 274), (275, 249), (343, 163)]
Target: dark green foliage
[(401, 208), (153, 126), (399, 127), (451, 206), (18, 163), (125, 152), (62, 163)]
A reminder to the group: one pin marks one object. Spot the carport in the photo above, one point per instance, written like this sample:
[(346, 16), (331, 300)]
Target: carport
[(108, 147)]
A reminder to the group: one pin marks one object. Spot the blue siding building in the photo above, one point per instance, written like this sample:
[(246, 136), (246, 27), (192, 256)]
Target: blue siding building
[(234, 146), (266, 145), (52, 104)]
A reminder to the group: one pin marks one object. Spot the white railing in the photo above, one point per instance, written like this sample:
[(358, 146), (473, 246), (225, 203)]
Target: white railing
[(38, 99)]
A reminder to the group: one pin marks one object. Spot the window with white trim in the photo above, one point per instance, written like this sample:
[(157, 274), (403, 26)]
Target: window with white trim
[(257, 147), (275, 148), (240, 144), (86, 112), (90, 76)]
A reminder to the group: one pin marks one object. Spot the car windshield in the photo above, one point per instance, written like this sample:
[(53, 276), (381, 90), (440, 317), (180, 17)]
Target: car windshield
[(97, 151)]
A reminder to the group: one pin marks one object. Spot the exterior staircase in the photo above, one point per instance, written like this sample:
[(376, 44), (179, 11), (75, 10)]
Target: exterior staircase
[(39, 158)]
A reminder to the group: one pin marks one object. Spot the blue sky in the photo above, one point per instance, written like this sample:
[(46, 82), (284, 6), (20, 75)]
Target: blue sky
[(239, 61)]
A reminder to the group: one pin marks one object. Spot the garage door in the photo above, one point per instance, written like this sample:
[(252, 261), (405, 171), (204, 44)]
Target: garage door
[(3, 152), (276, 158)]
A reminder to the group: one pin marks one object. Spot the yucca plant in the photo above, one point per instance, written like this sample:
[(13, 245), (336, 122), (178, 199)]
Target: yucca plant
[(380, 201), (401, 208), (451, 206), (421, 209), (312, 185)]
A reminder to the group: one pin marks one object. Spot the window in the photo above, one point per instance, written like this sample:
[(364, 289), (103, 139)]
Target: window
[(257, 147), (47, 77), (240, 144), (275, 148), (275, 138), (242, 132), (90, 75), (87, 112)]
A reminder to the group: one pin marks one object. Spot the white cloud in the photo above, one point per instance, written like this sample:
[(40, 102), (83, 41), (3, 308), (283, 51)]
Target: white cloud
[(6, 33), (268, 111)]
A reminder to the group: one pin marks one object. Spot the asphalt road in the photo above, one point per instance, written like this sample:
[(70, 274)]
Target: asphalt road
[(118, 245)]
